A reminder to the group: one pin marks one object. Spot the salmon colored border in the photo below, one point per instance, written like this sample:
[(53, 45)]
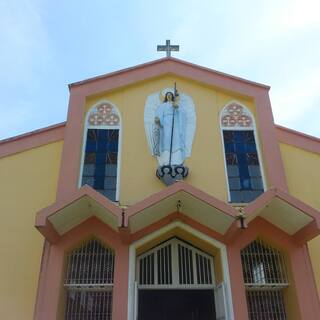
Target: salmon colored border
[(306, 291), (42, 218), (31, 139), (306, 233), (263, 200), (144, 65), (70, 164), (53, 269), (180, 186), (298, 139), (52, 265), (123, 216)]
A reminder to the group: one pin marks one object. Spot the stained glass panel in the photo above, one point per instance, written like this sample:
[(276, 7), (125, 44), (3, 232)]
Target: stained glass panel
[(100, 161), (243, 167)]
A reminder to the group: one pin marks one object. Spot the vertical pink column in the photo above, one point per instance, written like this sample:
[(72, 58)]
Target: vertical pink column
[(49, 289), (71, 154), (237, 284), (271, 150), (120, 289), (307, 294)]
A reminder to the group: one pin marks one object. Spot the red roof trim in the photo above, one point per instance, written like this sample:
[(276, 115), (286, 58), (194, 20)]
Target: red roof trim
[(32, 139), (44, 214), (298, 139), (269, 195), (175, 188), (143, 65)]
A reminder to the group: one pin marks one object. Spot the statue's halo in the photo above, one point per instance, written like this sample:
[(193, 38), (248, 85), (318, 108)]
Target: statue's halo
[(163, 93)]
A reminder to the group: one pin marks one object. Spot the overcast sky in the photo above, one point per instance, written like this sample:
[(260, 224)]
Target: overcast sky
[(47, 44)]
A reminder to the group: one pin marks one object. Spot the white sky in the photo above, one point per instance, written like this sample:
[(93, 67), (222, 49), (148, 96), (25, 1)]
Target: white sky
[(47, 44)]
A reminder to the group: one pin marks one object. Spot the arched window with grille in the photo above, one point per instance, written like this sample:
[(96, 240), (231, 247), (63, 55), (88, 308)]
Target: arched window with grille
[(100, 156), (265, 278), (242, 159), (89, 282)]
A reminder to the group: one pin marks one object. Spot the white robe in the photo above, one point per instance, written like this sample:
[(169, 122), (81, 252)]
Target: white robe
[(165, 112)]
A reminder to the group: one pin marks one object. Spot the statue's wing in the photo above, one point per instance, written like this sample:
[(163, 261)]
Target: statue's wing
[(187, 104), (152, 102)]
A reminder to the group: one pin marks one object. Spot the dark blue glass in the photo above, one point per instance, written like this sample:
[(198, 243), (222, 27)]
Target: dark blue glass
[(241, 153), (102, 153)]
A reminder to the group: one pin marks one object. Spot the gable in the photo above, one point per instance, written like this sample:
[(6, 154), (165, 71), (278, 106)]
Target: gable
[(137, 164)]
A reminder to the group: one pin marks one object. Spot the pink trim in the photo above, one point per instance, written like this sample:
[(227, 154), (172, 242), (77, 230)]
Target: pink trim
[(42, 275), (306, 290), (181, 186), (270, 147), (69, 173), (307, 296), (307, 233), (31, 140), (298, 139), (44, 225), (233, 232), (176, 216), (72, 146), (266, 197), (49, 232), (148, 64), (50, 283)]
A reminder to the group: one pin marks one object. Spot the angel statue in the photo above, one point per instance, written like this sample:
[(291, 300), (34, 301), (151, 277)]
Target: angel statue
[(170, 126)]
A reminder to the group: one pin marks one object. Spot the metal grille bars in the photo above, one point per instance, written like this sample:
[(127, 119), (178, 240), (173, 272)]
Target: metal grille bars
[(263, 266), (175, 264), (89, 282), (265, 277), (266, 305)]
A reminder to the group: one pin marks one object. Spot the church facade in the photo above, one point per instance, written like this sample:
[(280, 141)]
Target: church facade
[(169, 193)]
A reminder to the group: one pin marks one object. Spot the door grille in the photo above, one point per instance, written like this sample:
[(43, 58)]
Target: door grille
[(175, 264)]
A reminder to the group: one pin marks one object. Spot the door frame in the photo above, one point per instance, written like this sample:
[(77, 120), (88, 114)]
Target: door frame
[(132, 286)]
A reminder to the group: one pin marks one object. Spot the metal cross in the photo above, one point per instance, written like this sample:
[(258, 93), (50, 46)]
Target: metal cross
[(168, 48)]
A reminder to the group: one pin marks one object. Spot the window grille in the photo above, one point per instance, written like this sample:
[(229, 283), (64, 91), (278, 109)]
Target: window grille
[(265, 277), (266, 305), (175, 264), (89, 282)]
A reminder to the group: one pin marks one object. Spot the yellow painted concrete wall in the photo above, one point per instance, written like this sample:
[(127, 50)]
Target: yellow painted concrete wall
[(138, 167), (28, 183), (303, 177)]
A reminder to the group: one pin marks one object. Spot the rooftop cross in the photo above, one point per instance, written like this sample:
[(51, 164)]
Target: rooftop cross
[(168, 48)]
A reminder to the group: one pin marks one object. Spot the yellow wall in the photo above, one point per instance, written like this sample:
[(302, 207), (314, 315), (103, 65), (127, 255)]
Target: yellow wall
[(303, 177), (28, 183), (138, 167)]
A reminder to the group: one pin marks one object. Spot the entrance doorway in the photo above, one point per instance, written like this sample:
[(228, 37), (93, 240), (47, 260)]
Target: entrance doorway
[(176, 304), (175, 281)]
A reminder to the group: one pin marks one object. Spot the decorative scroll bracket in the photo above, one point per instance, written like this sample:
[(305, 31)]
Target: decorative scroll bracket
[(169, 174)]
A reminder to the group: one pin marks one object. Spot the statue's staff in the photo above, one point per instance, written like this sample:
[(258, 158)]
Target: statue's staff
[(174, 106)]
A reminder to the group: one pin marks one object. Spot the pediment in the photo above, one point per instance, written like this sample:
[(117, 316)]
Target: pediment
[(156, 68)]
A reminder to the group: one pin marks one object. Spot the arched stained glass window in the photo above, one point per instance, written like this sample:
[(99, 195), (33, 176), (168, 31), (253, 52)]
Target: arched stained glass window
[(100, 164), (243, 163), (89, 282)]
